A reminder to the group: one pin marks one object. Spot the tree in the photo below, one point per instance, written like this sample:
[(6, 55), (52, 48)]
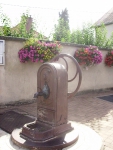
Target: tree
[(64, 15), (101, 36), (62, 30), (5, 29), (24, 28)]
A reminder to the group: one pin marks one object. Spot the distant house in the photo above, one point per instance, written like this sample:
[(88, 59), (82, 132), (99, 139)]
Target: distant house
[(107, 20), (28, 27)]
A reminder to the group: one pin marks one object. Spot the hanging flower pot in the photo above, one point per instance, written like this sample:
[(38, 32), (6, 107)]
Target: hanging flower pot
[(88, 57), (109, 59), (38, 51)]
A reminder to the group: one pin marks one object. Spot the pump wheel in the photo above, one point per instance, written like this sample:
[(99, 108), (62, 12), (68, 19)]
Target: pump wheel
[(78, 71)]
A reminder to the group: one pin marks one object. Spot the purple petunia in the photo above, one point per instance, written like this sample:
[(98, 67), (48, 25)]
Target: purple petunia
[(39, 52)]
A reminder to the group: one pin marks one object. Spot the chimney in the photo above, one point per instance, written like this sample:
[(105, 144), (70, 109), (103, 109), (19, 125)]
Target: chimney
[(29, 24)]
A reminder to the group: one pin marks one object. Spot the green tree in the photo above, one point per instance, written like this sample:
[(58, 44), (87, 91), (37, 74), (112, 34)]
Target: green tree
[(64, 15), (62, 30), (88, 34), (101, 36), (83, 36), (20, 30), (5, 30), (76, 37)]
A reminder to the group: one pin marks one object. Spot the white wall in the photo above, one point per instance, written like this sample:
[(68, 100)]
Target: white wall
[(18, 81), (96, 77), (109, 29)]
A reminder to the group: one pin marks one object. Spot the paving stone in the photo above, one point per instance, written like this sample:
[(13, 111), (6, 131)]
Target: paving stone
[(86, 109)]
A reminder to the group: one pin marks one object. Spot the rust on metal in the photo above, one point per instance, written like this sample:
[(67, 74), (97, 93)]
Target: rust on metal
[(51, 127), (57, 143), (78, 71)]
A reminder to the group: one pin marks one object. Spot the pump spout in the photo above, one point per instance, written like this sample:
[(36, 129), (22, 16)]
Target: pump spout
[(38, 94), (44, 92)]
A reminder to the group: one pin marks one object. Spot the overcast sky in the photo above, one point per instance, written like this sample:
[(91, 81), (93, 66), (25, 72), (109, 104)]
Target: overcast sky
[(45, 12)]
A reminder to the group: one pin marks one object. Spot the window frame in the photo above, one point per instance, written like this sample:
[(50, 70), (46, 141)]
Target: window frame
[(3, 43)]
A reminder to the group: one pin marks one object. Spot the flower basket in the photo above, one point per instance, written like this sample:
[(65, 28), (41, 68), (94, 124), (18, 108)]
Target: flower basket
[(38, 52), (109, 59), (89, 56)]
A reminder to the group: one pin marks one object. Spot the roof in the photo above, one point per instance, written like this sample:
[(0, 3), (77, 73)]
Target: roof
[(106, 19), (28, 26)]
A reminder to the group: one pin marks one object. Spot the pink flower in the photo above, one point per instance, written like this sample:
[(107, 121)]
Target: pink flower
[(35, 53), (41, 61)]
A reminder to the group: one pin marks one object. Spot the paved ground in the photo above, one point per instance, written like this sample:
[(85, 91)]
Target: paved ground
[(86, 109)]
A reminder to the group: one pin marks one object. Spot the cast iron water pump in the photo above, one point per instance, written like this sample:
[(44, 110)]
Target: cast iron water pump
[(51, 129)]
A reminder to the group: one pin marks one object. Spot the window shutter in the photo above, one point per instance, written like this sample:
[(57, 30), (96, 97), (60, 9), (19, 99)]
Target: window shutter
[(2, 51)]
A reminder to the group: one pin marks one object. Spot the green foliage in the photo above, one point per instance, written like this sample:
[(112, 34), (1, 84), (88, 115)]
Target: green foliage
[(76, 37), (84, 36), (30, 41), (38, 51), (61, 30), (64, 15), (20, 29), (88, 34), (101, 36), (6, 29)]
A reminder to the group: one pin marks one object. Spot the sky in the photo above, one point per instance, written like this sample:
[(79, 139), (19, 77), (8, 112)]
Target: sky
[(45, 13)]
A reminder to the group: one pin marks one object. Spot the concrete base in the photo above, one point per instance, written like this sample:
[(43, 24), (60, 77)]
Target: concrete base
[(88, 140)]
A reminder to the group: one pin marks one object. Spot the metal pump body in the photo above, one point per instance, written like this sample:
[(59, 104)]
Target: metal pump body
[(51, 129), (52, 104)]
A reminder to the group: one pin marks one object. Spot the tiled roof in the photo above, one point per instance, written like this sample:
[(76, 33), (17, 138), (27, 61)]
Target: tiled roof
[(107, 18)]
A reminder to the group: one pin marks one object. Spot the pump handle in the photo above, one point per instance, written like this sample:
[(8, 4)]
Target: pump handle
[(78, 71)]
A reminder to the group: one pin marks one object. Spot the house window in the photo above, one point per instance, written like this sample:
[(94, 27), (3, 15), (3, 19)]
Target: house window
[(2, 52)]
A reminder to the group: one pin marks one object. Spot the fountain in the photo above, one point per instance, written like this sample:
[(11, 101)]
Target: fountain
[(51, 130)]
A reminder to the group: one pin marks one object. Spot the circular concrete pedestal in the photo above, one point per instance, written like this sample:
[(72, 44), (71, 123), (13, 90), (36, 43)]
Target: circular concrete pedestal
[(58, 143), (88, 140)]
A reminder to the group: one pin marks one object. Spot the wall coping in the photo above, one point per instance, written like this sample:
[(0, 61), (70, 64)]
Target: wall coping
[(82, 46), (12, 38), (62, 43)]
